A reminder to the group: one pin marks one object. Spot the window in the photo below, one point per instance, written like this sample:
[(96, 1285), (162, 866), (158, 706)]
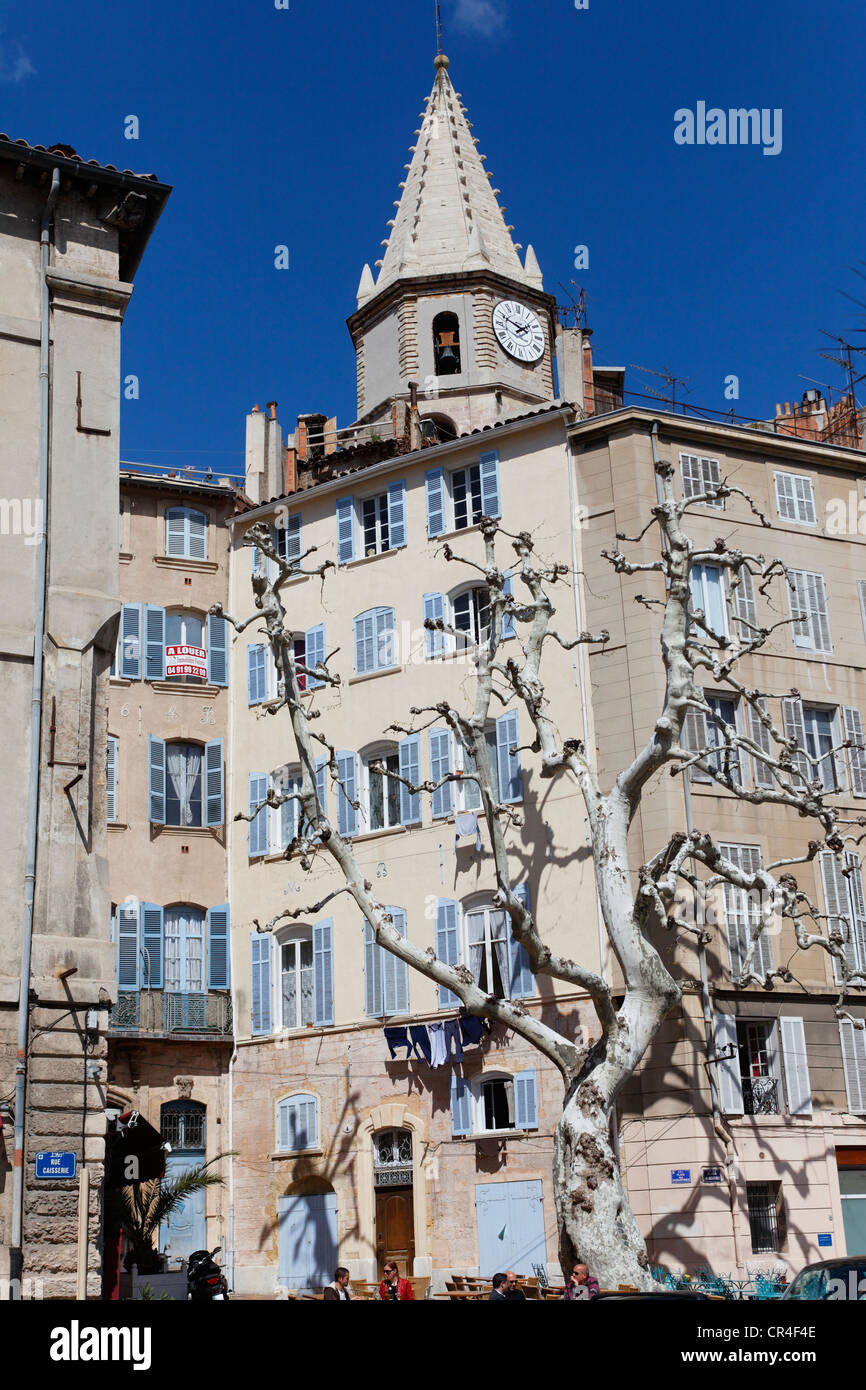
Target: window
[(287, 539), (381, 794), (459, 499), (273, 828), (482, 936), (296, 981), (795, 498), (765, 1217), (184, 630), (749, 1053), (472, 617), (808, 599), (846, 906), (375, 641), (386, 977), (724, 719), (183, 793), (184, 949), (297, 1123), (815, 731), (507, 777), (261, 986), (469, 792), (743, 911), (708, 594), (185, 783), (700, 475), (853, 1042), (186, 533), (493, 1103), (182, 1124), (372, 525), (111, 780), (757, 1073), (155, 624), (308, 648), (446, 345), (392, 1158), (180, 949), (438, 429)]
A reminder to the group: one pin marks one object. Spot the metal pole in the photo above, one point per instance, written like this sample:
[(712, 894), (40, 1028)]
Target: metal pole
[(83, 1214)]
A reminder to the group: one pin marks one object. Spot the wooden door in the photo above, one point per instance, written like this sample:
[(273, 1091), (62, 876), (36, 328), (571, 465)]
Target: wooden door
[(395, 1229)]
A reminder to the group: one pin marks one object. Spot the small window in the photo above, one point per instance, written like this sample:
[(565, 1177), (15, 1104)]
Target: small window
[(466, 497), (488, 931), (725, 717), (761, 1085), (184, 950), (374, 524), (446, 344), (375, 644), (183, 765), (820, 734), (186, 533), (469, 791), (472, 617), (182, 1124), (743, 911), (381, 793), (795, 498), (184, 629), (701, 475), (297, 1123), (808, 599), (766, 1219), (296, 982), (708, 593), (497, 1104), (287, 540)]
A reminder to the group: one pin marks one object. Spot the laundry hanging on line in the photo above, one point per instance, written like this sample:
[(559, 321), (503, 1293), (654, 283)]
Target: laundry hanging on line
[(466, 824)]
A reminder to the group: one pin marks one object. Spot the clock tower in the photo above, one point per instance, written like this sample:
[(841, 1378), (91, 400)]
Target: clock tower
[(453, 308)]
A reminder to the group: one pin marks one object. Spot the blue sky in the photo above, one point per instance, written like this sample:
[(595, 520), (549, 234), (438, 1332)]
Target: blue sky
[(292, 127)]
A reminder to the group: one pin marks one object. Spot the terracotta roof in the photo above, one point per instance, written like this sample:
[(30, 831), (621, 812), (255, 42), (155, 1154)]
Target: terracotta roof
[(67, 152)]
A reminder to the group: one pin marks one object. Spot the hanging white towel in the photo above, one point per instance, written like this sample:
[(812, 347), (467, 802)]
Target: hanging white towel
[(436, 1033), (466, 824)]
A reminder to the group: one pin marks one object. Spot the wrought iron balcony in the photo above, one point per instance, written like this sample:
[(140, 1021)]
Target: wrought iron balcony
[(760, 1095), (164, 1013)]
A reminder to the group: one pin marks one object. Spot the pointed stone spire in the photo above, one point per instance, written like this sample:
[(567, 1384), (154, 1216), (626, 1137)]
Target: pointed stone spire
[(531, 268), (448, 219), (366, 287)]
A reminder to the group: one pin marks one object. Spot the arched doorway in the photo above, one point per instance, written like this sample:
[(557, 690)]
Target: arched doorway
[(182, 1124), (395, 1207)]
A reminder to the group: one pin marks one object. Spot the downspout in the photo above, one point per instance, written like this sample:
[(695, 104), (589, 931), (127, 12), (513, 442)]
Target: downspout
[(721, 1129), (229, 802), (16, 1252)]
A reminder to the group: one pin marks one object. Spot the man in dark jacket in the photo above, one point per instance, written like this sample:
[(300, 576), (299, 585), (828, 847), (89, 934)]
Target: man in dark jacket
[(581, 1285), (512, 1292), (497, 1293), (340, 1287)]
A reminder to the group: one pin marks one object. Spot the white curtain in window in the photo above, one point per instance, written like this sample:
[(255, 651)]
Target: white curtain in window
[(500, 946), (184, 769), (477, 964)]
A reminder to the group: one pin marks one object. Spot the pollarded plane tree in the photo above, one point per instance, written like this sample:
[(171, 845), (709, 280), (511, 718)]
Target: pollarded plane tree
[(594, 1217)]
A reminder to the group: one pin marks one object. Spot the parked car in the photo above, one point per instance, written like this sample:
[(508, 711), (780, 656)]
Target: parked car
[(841, 1280)]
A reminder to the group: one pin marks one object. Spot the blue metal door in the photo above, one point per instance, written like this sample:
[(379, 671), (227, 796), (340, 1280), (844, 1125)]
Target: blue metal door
[(510, 1226), (186, 1229), (307, 1237)]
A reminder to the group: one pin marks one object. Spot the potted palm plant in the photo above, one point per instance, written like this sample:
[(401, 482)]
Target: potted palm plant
[(139, 1208)]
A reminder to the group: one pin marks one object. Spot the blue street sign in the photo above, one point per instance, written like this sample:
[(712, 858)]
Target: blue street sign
[(712, 1175), (825, 1238), (55, 1165), (681, 1175)]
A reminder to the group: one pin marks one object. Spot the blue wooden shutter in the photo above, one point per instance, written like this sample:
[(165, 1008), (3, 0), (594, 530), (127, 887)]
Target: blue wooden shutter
[(508, 628), (176, 532), (435, 485), (395, 972), (396, 515), (257, 680), (323, 972), (127, 946), (217, 650), (214, 783), (197, 535), (365, 643), (322, 782), (345, 530), (288, 540), (258, 827), (728, 1069), (156, 779), (409, 751), (489, 466), (522, 978), (461, 1106), (508, 763), (440, 764), (372, 974), (154, 643), (314, 652), (525, 1100), (130, 642), (434, 609), (347, 816), (151, 941), (386, 639), (447, 945), (111, 780), (260, 983), (218, 954), (258, 561)]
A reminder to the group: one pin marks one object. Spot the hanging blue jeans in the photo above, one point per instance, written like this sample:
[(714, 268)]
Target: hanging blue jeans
[(397, 1037), (452, 1031), (471, 1029), (421, 1042)]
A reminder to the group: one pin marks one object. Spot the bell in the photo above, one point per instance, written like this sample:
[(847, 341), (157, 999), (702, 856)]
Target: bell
[(449, 360)]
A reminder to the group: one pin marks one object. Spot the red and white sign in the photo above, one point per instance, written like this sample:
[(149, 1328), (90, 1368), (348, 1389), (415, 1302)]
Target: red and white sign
[(186, 661)]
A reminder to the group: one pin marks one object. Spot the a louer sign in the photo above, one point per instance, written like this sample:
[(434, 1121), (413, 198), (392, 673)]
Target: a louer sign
[(186, 661)]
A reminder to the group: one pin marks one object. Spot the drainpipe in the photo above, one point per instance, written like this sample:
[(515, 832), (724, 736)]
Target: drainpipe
[(234, 1057), (721, 1129), (16, 1252)]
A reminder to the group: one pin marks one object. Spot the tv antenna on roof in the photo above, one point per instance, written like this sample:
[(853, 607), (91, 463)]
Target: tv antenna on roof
[(672, 382), (438, 27)]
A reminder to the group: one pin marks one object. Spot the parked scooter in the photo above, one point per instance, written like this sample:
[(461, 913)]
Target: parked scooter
[(204, 1279)]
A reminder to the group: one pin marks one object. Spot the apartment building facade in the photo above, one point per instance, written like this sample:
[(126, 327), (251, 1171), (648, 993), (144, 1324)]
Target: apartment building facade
[(170, 1031), (73, 233), (791, 1076)]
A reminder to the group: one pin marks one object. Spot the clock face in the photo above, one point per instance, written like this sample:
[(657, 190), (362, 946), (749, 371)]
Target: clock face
[(518, 330)]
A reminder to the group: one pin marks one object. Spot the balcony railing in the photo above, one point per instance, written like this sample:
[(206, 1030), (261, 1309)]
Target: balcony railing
[(165, 1013), (760, 1095)]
